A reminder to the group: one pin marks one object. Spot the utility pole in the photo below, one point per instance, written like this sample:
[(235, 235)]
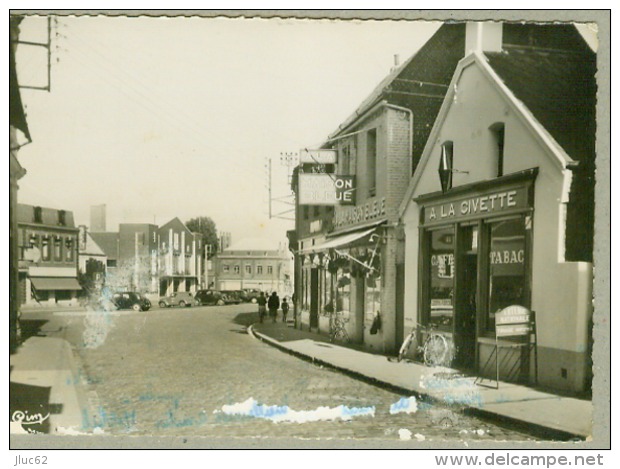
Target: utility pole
[(287, 159)]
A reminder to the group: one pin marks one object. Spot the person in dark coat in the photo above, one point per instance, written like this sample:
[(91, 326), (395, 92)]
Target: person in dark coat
[(262, 303), (285, 308), (273, 304)]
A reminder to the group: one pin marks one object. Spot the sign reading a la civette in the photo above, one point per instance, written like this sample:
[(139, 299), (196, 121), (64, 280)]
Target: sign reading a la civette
[(477, 205)]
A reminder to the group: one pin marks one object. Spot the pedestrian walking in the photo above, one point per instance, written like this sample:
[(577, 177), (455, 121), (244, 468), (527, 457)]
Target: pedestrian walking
[(262, 306), (284, 310), (273, 304)]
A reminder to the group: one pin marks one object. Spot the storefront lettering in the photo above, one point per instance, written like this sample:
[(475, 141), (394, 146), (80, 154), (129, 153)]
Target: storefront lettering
[(360, 213), (477, 205), (507, 257)]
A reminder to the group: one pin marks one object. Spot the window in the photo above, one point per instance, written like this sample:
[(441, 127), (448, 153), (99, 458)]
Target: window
[(57, 248), (439, 309), (111, 263), (497, 131), (316, 211), (306, 212), (69, 249), (371, 161), (236, 269), (259, 269), (226, 268), (270, 269), (248, 269), (507, 276), (38, 215), (62, 217), (45, 249)]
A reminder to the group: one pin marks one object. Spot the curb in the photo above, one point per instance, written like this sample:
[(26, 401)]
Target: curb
[(533, 429)]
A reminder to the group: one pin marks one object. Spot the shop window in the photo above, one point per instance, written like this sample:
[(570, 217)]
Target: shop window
[(440, 307), (316, 211), (497, 132), (306, 212), (507, 272), (371, 161), (343, 292)]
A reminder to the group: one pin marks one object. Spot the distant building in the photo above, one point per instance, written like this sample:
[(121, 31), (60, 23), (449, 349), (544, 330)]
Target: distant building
[(48, 255), (253, 263), (179, 258), (98, 218)]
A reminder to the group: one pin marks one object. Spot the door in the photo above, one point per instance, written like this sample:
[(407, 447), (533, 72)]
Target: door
[(314, 297), (466, 297)]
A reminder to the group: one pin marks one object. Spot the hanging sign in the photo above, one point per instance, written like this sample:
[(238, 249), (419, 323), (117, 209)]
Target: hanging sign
[(317, 156), (326, 189)]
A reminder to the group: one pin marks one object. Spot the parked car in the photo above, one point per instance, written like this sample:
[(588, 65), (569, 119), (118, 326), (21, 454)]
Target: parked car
[(131, 300), (179, 298), (210, 297), (232, 297), (250, 295)]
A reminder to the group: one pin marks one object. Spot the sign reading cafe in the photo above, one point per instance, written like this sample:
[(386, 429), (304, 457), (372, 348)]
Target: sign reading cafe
[(477, 205)]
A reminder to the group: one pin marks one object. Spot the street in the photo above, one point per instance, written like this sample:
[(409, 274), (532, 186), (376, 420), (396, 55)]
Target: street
[(173, 372)]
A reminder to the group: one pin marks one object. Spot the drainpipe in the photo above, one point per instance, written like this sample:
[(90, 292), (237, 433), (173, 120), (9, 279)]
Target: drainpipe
[(410, 112)]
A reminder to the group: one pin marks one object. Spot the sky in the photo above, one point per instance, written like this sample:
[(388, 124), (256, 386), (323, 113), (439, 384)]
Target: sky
[(178, 117)]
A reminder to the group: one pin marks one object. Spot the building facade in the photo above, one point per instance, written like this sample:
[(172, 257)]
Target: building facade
[(48, 255), (253, 264), (180, 253), (511, 222), (349, 259)]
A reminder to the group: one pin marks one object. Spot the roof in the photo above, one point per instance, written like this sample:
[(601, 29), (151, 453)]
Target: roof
[(49, 216), (558, 88), (92, 248), (108, 242), (255, 244), (175, 224)]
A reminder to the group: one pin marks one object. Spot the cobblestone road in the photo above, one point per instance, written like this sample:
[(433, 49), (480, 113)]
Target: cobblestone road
[(170, 372)]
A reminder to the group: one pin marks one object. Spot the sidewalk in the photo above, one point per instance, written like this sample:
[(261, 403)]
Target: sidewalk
[(45, 388), (550, 415)]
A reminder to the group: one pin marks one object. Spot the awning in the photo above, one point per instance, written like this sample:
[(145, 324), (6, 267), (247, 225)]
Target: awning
[(55, 283), (342, 240)]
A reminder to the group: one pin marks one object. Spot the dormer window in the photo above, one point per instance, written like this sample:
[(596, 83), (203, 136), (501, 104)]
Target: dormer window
[(38, 215), (497, 132), (62, 217)]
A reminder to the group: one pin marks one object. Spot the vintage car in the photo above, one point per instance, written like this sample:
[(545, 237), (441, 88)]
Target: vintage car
[(210, 297), (179, 298), (130, 300)]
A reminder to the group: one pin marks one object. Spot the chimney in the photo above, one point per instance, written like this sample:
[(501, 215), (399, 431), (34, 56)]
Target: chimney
[(396, 62), (483, 37)]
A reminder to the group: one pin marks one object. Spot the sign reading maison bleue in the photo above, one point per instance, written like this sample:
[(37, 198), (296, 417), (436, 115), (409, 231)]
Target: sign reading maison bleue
[(326, 189)]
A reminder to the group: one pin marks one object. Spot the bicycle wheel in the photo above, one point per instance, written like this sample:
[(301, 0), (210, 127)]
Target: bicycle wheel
[(435, 350)]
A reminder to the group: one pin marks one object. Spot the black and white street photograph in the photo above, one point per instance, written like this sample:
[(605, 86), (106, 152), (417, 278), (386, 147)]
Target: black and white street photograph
[(291, 229)]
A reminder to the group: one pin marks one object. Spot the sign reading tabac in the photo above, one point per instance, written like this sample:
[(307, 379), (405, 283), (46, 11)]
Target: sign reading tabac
[(326, 189), (477, 205)]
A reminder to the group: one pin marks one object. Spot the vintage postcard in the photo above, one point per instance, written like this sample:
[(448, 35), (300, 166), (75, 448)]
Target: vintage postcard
[(326, 229)]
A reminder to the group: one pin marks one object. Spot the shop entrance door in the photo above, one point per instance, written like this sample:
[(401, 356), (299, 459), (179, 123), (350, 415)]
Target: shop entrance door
[(314, 297), (466, 297)]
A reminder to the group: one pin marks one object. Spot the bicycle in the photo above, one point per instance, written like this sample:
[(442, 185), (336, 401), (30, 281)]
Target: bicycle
[(338, 330), (435, 351)]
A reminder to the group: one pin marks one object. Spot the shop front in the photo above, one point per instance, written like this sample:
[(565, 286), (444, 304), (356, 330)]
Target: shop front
[(475, 246), (343, 289)]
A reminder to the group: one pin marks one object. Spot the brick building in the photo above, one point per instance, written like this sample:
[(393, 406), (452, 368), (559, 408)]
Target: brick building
[(349, 259), (48, 255)]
